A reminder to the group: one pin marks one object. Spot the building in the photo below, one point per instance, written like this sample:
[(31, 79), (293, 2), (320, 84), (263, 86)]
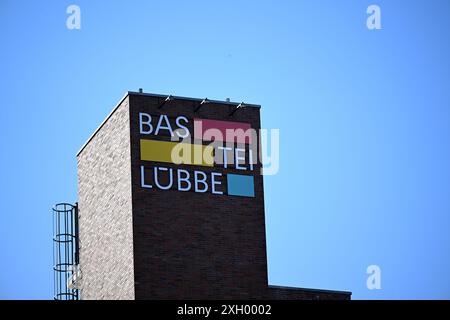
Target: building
[(153, 229)]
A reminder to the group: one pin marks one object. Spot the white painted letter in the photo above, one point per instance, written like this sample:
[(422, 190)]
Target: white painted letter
[(184, 128), (238, 158), (155, 178), (143, 184), (166, 127), (185, 179), (203, 181), (214, 182), (225, 160), (147, 122), (250, 158)]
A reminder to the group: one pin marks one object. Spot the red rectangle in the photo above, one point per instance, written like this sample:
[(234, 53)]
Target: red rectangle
[(227, 131)]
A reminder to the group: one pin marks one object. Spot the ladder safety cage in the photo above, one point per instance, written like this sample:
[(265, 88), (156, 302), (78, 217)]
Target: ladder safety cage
[(66, 252)]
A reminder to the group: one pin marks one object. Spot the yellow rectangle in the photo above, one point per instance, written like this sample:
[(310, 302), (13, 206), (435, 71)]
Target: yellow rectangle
[(177, 152)]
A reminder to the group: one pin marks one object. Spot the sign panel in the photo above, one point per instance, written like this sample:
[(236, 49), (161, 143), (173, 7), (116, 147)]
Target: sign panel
[(229, 148)]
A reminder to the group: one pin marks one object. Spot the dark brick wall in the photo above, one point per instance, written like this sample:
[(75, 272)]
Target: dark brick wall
[(289, 293), (191, 245)]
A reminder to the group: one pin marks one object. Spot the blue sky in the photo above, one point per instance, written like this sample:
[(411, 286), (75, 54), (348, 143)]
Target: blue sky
[(364, 119)]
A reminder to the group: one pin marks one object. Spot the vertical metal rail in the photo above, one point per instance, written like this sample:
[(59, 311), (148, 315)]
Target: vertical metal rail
[(65, 251)]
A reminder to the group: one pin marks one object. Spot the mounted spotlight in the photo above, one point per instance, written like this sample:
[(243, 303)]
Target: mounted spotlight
[(240, 105), (169, 98), (204, 101)]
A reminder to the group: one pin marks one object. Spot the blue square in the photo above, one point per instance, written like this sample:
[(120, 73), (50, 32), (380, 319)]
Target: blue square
[(240, 185)]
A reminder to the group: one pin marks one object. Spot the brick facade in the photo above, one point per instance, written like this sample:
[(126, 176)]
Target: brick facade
[(173, 244), (105, 216)]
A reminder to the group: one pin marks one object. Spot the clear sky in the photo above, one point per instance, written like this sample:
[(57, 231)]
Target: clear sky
[(364, 119)]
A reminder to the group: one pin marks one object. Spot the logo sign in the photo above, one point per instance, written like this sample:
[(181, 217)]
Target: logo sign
[(230, 146)]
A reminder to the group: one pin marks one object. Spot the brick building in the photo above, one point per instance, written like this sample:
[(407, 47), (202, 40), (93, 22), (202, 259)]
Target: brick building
[(151, 229)]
